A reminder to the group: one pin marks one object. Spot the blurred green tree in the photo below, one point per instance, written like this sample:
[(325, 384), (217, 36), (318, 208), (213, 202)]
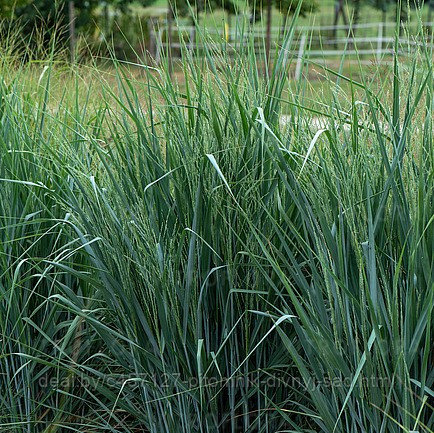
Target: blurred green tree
[(54, 13), (192, 8), (383, 6), (64, 17), (401, 8), (8, 7), (285, 7)]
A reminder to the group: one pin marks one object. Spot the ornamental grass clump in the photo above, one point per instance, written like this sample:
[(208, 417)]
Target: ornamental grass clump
[(173, 259)]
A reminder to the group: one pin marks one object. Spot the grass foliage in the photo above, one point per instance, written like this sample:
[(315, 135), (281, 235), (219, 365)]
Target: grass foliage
[(173, 259)]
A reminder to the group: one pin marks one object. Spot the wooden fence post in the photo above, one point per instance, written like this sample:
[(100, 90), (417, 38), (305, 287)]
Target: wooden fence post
[(379, 42), (192, 37), (71, 29), (300, 57), (152, 38), (169, 24), (159, 41)]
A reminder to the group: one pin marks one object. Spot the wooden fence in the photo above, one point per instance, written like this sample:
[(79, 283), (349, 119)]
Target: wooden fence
[(368, 40)]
